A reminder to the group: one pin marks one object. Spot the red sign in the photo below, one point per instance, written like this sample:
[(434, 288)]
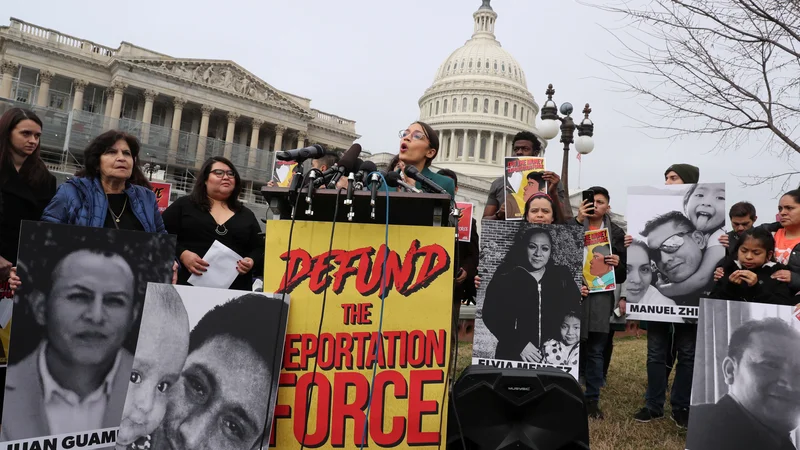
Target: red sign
[(162, 191), (465, 221)]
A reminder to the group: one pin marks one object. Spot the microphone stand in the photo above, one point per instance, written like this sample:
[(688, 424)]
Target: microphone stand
[(351, 181), (312, 175), (296, 184)]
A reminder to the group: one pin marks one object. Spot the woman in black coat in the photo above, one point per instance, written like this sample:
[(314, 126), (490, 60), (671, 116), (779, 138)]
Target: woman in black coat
[(25, 183), (528, 297)]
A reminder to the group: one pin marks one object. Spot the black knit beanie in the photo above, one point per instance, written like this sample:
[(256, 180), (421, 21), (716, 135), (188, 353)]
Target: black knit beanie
[(689, 174)]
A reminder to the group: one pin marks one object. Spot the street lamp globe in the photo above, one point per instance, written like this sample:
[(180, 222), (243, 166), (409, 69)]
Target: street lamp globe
[(584, 144), (548, 128)]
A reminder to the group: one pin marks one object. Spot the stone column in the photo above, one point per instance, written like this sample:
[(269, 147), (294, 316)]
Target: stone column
[(301, 139), (279, 130), (201, 142), (253, 155), (43, 98), (232, 118), (453, 142), (8, 69), (490, 148), (501, 155), (77, 101), (109, 101), (177, 114), (478, 144), (465, 152), (116, 105), (147, 114)]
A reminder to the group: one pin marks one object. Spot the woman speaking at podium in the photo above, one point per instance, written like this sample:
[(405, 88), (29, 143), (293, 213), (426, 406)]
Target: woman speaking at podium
[(419, 145)]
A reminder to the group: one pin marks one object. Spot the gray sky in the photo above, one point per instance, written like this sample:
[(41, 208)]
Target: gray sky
[(370, 61)]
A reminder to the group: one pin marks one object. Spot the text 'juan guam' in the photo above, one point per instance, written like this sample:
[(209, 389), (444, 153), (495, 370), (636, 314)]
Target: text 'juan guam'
[(416, 270)]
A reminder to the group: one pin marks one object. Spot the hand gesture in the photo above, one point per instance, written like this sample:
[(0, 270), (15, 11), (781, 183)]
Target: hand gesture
[(193, 262), (461, 276), (748, 277), (175, 272), (501, 213), (477, 282), (244, 265), (622, 306), (585, 210), (736, 277), (14, 281), (782, 275), (584, 291), (719, 273), (612, 260), (723, 239), (5, 268), (531, 354), (270, 183), (552, 180), (628, 240)]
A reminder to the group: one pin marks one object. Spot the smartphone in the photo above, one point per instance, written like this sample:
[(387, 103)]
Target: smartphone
[(588, 195)]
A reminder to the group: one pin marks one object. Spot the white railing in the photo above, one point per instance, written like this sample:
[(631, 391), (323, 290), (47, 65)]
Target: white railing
[(60, 39), (334, 121)]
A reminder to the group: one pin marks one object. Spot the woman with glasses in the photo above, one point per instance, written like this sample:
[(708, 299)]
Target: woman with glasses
[(419, 145), (213, 212), (110, 192)]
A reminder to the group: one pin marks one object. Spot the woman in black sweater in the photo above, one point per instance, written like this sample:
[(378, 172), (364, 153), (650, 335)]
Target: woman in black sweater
[(213, 212)]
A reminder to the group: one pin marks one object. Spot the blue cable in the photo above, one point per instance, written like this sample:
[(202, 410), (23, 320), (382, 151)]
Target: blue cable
[(380, 321)]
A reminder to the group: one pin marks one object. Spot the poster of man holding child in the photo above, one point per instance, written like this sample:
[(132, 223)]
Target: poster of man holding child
[(675, 249)]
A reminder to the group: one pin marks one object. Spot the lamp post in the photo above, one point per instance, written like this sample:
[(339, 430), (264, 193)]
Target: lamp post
[(149, 168), (549, 127)]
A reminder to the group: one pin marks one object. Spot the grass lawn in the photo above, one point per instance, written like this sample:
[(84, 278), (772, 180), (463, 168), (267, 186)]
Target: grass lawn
[(623, 396)]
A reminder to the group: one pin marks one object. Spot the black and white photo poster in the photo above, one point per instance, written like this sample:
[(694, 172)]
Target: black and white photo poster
[(675, 249), (205, 372), (76, 323), (529, 303), (746, 384)]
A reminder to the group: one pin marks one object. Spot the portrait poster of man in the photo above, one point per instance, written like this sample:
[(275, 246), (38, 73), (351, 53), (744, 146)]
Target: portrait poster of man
[(282, 172), (598, 275), (746, 383), (365, 363), (675, 249), (205, 372), (76, 323), (524, 177), (529, 302)]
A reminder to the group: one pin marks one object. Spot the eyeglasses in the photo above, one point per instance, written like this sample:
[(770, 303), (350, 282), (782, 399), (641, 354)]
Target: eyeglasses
[(415, 135), (221, 173), (671, 245)]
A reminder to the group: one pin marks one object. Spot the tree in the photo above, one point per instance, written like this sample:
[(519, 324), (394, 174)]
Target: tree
[(729, 68)]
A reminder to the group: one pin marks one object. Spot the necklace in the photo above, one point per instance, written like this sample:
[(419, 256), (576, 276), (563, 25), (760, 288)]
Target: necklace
[(221, 230), (117, 216)]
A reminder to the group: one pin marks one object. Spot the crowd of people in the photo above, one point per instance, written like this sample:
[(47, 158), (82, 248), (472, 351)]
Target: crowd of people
[(758, 263)]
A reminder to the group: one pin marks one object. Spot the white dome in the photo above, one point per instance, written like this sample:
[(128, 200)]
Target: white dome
[(478, 101)]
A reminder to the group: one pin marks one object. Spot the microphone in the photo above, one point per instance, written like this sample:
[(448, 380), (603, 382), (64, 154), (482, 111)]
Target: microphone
[(363, 172), (348, 163), (301, 154), (393, 180), (312, 174), (414, 174), (374, 183)]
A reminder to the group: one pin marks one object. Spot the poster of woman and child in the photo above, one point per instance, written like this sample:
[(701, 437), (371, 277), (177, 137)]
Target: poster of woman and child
[(675, 249), (529, 302)]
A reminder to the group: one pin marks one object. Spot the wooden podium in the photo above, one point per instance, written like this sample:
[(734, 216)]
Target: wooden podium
[(405, 208)]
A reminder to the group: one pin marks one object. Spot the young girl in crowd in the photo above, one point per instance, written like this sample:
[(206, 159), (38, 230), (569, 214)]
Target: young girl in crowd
[(160, 355), (749, 277), (565, 352), (704, 205)]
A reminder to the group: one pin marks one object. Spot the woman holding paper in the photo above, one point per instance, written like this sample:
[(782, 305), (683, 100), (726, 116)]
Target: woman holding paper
[(218, 237)]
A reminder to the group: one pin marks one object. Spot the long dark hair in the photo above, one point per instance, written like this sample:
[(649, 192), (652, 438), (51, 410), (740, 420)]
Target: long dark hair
[(557, 214), (517, 255), (199, 193), (101, 144), (433, 139), (33, 171), (760, 235)]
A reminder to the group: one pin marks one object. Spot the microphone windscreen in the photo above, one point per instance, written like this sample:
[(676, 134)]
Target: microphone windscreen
[(392, 179), (368, 167), (349, 157), (357, 165), (412, 172)]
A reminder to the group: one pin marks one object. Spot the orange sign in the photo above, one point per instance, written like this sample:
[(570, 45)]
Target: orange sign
[(162, 191)]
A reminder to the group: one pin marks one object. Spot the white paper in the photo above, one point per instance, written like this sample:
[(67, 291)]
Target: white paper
[(221, 270)]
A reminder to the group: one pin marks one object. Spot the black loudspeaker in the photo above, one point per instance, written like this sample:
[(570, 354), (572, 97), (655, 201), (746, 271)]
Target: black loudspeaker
[(540, 409)]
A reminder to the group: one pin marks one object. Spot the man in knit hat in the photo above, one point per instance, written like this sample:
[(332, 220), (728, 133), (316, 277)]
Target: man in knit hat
[(661, 339)]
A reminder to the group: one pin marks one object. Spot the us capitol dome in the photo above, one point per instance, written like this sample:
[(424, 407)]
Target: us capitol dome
[(478, 101)]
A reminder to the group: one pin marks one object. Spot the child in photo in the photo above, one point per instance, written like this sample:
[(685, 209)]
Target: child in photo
[(749, 277), (565, 352), (603, 273), (160, 354), (704, 205)]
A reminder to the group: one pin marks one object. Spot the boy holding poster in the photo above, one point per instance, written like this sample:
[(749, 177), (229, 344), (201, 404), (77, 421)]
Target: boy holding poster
[(525, 177)]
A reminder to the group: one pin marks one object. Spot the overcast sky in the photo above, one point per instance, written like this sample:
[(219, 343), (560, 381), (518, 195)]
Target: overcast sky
[(370, 61)]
